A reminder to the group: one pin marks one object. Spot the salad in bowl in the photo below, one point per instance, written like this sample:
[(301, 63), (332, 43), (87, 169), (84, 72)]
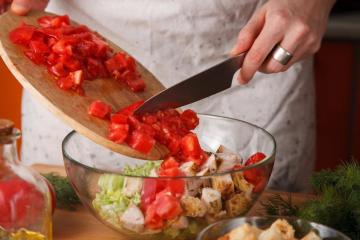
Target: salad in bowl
[(177, 197)]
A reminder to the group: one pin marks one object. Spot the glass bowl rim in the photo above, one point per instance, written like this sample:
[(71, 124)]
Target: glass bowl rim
[(268, 159), (274, 217)]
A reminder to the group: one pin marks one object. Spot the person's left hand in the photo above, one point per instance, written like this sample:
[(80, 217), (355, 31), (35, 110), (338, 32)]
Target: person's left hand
[(297, 25)]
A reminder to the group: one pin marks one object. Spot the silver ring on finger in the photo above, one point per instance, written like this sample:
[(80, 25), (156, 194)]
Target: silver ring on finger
[(281, 55)]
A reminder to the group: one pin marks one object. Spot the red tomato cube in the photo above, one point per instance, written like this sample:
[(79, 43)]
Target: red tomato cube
[(99, 109), (141, 141)]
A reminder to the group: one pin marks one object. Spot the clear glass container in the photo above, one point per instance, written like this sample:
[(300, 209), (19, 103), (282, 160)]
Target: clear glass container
[(25, 198), (97, 175)]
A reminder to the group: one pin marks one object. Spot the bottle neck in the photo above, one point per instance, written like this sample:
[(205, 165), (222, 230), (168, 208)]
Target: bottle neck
[(8, 152)]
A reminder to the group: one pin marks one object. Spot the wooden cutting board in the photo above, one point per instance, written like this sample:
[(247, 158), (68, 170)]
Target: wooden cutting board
[(69, 106)]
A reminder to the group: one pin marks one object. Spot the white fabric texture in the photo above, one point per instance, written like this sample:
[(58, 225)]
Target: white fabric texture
[(175, 40)]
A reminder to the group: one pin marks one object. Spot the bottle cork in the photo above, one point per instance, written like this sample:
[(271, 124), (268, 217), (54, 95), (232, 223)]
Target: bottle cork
[(6, 127)]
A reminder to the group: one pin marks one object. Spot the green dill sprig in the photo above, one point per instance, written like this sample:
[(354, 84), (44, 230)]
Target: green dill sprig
[(66, 197), (338, 204), (278, 206)]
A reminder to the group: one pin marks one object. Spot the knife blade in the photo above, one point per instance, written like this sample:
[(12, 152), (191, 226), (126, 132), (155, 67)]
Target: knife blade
[(202, 85)]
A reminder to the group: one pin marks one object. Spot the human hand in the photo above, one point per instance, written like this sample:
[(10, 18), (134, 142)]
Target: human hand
[(22, 7), (297, 25)]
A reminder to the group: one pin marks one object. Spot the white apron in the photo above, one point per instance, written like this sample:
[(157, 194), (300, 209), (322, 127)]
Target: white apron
[(177, 39)]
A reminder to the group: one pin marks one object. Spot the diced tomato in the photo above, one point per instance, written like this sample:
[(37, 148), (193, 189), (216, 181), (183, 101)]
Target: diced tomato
[(256, 176), (58, 70), (64, 46), (129, 110), (136, 85), (148, 118), (141, 142), (99, 109), (167, 206), (117, 62), (190, 119), (70, 63), (118, 132), (22, 34), (148, 192), (38, 47), (55, 22), (170, 162), (77, 77), (119, 118), (95, 68), (35, 57), (255, 158), (65, 83), (190, 145), (152, 220)]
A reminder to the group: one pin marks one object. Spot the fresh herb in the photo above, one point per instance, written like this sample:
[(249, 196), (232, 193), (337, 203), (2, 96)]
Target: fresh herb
[(66, 197), (338, 204), (277, 205)]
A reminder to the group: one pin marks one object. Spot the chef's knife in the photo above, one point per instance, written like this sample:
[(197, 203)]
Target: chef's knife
[(195, 88)]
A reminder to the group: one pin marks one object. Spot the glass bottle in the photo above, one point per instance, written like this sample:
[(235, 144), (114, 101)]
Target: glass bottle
[(25, 198)]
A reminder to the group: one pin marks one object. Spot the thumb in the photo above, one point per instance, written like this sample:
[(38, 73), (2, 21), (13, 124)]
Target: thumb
[(21, 7), (249, 33)]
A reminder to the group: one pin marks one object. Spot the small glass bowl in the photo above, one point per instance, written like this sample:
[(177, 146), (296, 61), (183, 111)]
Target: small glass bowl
[(301, 227), (86, 162)]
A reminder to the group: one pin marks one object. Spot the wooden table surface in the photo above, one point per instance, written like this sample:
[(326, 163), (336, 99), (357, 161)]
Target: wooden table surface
[(81, 225)]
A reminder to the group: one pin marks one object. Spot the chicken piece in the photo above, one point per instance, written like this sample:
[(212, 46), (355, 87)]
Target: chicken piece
[(237, 204), (242, 185), (223, 184), (223, 149), (193, 186), (133, 219), (227, 161), (180, 223), (193, 207), (244, 232), (132, 185), (311, 236), (279, 230), (189, 168), (212, 199), (211, 164)]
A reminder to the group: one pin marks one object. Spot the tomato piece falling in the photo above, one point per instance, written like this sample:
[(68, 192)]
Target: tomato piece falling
[(99, 109), (190, 145), (190, 119)]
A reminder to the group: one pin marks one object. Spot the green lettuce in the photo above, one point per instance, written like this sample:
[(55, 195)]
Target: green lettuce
[(110, 202)]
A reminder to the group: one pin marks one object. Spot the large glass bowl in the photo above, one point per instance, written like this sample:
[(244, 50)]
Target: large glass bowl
[(301, 227), (88, 163)]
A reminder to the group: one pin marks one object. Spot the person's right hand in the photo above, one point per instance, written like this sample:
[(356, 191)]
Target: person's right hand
[(22, 7)]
